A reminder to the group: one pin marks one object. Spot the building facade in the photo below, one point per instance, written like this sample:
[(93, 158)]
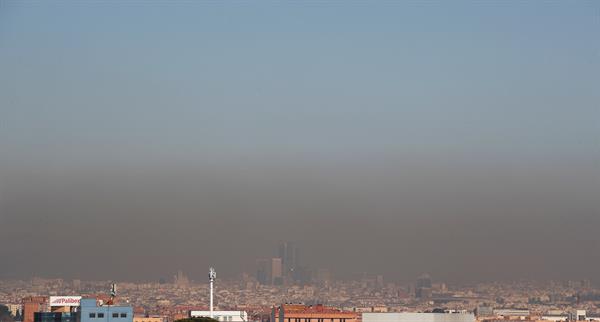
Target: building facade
[(276, 271), (418, 317), (289, 259), (224, 316), (151, 318), (318, 313), (91, 312), (54, 317), (32, 304)]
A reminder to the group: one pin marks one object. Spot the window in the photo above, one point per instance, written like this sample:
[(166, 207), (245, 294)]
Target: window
[(92, 315), (115, 315), (100, 315), (124, 315)]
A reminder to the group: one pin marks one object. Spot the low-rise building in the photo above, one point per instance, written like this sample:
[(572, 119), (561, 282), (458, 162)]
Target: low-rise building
[(418, 317), (55, 317), (150, 318), (512, 313), (317, 313), (92, 312), (32, 304), (224, 316)]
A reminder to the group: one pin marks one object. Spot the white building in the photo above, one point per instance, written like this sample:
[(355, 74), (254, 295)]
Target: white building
[(224, 316), (555, 318), (418, 317), (511, 312), (577, 315)]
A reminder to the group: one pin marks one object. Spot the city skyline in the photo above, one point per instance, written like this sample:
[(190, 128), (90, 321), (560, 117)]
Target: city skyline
[(299, 161), (549, 301), (311, 275)]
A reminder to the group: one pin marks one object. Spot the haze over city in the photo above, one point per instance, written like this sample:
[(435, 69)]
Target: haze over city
[(394, 138)]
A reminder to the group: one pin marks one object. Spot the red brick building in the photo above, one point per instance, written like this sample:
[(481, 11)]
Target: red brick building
[(318, 313), (32, 304)]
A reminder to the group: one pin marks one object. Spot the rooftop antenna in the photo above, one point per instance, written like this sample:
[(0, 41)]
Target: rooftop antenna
[(113, 294), (212, 274)]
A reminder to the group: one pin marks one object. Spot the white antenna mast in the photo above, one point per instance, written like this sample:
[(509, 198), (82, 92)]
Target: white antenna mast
[(212, 274)]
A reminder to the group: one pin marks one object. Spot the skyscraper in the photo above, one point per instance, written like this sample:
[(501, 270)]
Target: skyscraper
[(276, 271), (263, 271), (424, 281), (289, 258), (423, 286)]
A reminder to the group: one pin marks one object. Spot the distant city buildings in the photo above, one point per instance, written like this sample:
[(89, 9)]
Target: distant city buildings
[(166, 302), (483, 311), (276, 271), (282, 270), (423, 287), (289, 258), (181, 280), (263, 271), (323, 277)]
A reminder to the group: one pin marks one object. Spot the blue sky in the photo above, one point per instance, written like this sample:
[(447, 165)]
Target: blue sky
[(307, 76)]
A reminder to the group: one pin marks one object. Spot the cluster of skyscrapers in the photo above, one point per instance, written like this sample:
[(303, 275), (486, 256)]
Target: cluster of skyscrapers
[(284, 269)]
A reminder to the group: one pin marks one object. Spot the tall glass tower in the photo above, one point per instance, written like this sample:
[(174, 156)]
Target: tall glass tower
[(289, 259)]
